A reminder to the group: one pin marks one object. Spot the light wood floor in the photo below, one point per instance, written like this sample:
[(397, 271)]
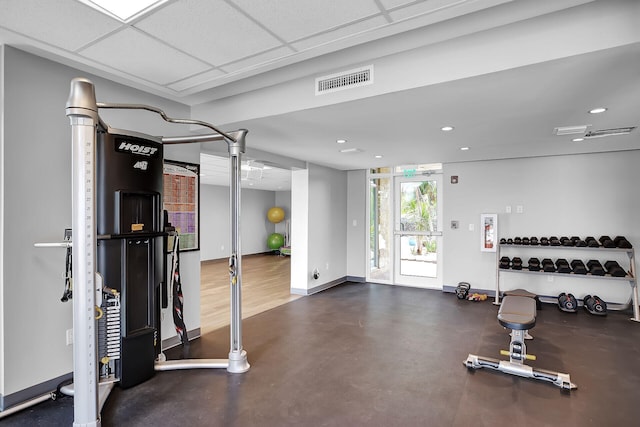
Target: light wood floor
[(265, 285)]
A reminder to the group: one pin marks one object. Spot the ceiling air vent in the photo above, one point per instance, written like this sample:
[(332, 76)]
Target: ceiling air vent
[(344, 80), (609, 132), (570, 130)]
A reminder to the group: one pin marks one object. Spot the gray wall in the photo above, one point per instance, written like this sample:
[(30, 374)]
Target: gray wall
[(283, 200), (36, 170), (357, 223), (215, 238), (594, 194), (327, 227)]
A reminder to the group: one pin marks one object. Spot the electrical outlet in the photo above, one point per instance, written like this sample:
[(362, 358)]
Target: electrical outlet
[(69, 336), (507, 209)]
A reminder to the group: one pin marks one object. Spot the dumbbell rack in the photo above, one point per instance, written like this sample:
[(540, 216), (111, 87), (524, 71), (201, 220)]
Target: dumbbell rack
[(630, 277)]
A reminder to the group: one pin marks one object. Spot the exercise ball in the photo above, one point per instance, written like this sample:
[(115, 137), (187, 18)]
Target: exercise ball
[(275, 215), (275, 241)]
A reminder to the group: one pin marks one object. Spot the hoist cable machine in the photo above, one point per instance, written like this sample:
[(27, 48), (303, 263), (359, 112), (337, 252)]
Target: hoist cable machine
[(118, 246)]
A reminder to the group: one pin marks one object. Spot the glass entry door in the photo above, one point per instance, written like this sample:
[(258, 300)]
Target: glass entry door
[(418, 231)]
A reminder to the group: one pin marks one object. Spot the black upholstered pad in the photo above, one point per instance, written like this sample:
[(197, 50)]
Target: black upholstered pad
[(517, 312)]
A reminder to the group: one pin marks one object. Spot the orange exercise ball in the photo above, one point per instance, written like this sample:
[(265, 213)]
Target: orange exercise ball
[(275, 215)]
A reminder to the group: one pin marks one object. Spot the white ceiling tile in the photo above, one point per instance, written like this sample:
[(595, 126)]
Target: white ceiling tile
[(191, 82), (210, 30), (67, 24), (390, 4), (254, 61), (295, 19), (344, 32), (435, 6), (144, 57)]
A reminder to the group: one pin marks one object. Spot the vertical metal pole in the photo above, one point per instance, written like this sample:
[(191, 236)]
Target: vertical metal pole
[(237, 356), (634, 285), (83, 113)]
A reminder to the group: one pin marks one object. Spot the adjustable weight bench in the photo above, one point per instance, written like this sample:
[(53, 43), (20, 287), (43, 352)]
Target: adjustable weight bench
[(519, 314)]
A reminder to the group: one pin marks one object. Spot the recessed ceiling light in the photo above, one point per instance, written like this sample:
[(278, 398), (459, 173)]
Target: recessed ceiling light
[(341, 141), (598, 110), (351, 150), (464, 148), (378, 156), (446, 128), (124, 10), (578, 139)]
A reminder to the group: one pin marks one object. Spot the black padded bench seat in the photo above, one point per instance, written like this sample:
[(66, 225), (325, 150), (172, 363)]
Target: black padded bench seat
[(517, 313)]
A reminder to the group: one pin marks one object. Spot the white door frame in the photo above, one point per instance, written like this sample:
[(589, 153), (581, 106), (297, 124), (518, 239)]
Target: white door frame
[(415, 280)]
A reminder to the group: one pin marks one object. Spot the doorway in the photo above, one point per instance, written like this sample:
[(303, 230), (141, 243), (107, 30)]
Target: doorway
[(405, 226), (417, 232)]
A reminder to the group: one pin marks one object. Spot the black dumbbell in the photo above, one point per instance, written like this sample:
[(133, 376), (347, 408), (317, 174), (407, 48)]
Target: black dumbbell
[(578, 267), (534, 241), (622, 242), (554, 241), (607, 242), (516, 263), (614, 269), (562, 266), (595, 268), (517, 241), (544, 241), (567, 303), (565, 241), (592, 242), (580, 243), (595, 305), (533, 264), (548, 266), (525, 241), (505, 262)]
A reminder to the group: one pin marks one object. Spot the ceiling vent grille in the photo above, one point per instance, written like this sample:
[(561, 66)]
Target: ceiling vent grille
[(345, 80), (609, 132), (570, 130)]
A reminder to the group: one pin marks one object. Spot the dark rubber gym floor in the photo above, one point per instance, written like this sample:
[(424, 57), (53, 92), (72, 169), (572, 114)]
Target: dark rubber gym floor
[(378, 355)]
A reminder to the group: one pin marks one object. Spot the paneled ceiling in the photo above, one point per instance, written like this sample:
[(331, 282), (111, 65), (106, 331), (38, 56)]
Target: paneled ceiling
[(503, 73), (185, 47)]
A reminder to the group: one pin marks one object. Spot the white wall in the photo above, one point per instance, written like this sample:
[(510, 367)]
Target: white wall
[(357, 223), (300, 275), (581, 195), (37, 208), (215, 237), (327, 226)]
